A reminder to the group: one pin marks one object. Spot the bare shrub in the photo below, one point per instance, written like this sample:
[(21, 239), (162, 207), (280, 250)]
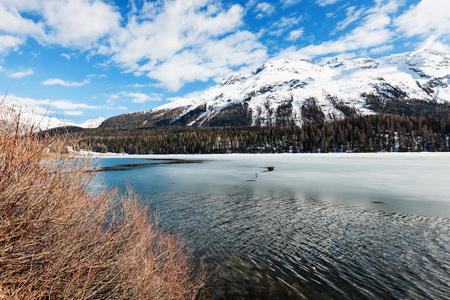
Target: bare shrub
[(62, 239)]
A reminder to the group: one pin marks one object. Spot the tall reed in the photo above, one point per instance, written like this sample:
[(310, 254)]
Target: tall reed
[(61, 239)]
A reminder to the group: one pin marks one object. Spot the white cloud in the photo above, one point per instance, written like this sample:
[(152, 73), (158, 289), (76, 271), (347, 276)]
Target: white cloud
[(73, 112), (250, 4), (432, 43), (46, 106), (89, 76), (193, 94), (213, 60), (181, 43), (288, 3), (291, 53), (155, 38), (21, 74), (361, 38), (23, 5), (18, 74), (264, 9), (326, 2), (295, 34), (138, 85), (373, 32), (353, 15), (68, 104), (134, 97), (57, 81), (78, 23), (8, 42), (427, 18), (184, 67), (142, 98), (381, 49), (114, 96), (30, 103), (13, 23), (70, 23), (180, 25), (279, 27)]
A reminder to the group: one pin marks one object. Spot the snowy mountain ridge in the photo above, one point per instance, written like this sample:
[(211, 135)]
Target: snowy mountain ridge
[(42, 122), (281, 91), (92, 123)]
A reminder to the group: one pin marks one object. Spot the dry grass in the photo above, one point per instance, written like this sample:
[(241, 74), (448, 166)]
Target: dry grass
[(61, 240)]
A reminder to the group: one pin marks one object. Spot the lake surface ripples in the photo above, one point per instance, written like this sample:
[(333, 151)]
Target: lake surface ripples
[(260, 242)]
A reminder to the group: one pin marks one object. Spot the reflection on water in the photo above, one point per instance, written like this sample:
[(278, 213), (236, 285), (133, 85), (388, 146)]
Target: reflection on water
[(283, 228)]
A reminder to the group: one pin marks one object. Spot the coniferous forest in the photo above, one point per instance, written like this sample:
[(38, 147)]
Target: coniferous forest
[(374, 133)]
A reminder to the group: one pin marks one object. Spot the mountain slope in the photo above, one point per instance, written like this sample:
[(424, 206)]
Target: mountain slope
[(288, 92)]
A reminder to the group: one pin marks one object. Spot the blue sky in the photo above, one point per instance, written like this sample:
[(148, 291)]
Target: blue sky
[(82, 59)]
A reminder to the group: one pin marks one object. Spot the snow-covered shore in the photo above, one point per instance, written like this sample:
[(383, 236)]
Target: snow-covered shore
[(272, 156)]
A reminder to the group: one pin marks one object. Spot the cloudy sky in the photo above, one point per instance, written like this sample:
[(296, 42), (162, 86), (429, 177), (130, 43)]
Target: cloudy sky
[(82, 59)]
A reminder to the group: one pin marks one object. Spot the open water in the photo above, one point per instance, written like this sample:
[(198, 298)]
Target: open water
[(342, 226)]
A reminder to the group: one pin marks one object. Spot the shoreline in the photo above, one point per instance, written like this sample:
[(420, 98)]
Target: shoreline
[(268, 155)]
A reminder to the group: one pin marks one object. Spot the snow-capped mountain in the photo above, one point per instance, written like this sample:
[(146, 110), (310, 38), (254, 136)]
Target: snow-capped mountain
[(92, 123), (30, 118), (41, 122), (283, 91)]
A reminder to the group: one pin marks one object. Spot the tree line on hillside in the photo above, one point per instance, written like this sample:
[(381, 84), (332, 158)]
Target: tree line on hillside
[(372, 133), (406, 107)]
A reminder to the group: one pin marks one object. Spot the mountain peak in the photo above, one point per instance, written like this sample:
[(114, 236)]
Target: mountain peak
[(92, 123)]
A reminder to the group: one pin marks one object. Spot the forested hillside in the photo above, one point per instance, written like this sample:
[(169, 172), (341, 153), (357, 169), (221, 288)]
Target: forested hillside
[(372, 133)]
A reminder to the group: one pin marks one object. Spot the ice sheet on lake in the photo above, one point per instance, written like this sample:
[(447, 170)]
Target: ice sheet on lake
[(415, 183)]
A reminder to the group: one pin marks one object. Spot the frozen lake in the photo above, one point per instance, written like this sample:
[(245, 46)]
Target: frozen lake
[(318, 226)]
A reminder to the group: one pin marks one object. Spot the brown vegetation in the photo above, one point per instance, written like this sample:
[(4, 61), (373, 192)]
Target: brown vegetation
[(61, 237)]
